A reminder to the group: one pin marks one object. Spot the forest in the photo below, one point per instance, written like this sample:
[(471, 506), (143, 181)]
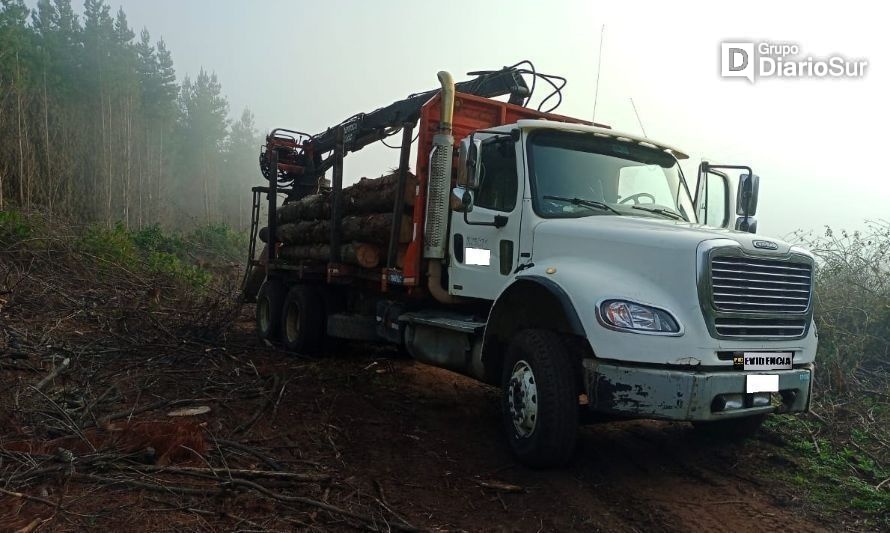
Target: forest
[(96, 126)]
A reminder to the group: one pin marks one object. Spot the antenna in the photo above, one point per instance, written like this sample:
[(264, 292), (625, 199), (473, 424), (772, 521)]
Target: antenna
[(638, 118), (599, 61)]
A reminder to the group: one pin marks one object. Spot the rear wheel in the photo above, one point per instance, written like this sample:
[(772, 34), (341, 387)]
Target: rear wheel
[(302, 320), (539, 399), (732, 428), (268, 309)]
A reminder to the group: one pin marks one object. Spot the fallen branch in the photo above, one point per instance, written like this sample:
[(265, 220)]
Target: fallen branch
[(28, 497), (52, 375), (291, 476), (180, 489), (243, 483), (148, 407), (315, 503), (37, 522), (244, 448), (500, 486), (246, 426), (812, 436)]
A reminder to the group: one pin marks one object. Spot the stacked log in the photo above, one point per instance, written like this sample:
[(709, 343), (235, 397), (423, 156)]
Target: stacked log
[(372, 229), (361, 254), (304, 225), (368, 196)]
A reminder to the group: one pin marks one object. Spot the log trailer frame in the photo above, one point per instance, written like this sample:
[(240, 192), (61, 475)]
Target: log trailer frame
[(640, 303), (302, 161)]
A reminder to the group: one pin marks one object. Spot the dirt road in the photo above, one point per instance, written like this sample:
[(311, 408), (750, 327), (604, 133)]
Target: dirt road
[(410, 446), (430, 439)]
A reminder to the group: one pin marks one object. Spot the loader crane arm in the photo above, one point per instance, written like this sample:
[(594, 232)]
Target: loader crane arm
[(304, 158)]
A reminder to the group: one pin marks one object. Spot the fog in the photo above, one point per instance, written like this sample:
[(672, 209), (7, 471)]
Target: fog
[(308, 66)]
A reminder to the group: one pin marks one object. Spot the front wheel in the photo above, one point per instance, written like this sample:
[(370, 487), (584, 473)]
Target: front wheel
[(539, 399), (732, 428)]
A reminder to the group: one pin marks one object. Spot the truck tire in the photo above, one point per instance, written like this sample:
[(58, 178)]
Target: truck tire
[(268, 309), (539, 399), (302, 320), (731, 429)]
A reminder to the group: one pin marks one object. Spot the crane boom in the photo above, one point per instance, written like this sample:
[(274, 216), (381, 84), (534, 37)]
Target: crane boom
[(302, 158)]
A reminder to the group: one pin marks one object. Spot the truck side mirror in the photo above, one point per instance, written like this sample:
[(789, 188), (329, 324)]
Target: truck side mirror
[(748, 224), (469, 170), (461, 200), (746, 199)]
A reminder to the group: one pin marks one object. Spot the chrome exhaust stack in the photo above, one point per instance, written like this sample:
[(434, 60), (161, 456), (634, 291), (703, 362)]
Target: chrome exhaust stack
[(439, 181)]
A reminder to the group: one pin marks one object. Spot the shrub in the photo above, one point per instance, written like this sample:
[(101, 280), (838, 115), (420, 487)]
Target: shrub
[(219, 241), (182, 256), (113, 244), (153, 239), (170, 264), (13, 226), (852, 303)]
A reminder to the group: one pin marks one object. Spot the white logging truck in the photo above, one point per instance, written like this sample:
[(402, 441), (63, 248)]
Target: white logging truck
[(562, 261)]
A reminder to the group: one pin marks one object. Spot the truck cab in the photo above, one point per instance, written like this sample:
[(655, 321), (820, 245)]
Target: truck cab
[(571, 265), (600, 251)]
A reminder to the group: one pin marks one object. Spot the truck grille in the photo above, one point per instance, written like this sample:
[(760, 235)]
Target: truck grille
[(760, 327), (758, 297), (744, 284)]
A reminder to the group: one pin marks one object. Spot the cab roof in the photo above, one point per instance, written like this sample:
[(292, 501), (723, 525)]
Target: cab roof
[(600, 132)]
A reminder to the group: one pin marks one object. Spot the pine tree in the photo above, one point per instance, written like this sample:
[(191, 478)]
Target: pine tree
[(241, 152), (203, 129), (15, 39), (93, 123)]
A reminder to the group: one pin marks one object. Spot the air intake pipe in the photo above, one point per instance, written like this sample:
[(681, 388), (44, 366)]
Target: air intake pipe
[(437, 195), (439, 180)]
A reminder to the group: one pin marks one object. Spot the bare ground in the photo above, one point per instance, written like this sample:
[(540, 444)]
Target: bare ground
[(397, 443), (356, 440)]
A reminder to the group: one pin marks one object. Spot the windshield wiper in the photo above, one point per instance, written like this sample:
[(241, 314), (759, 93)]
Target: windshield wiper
[(593, 204), (661, 211)]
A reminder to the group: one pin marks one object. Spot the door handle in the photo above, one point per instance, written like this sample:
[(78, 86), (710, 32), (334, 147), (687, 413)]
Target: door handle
[(499, 221)]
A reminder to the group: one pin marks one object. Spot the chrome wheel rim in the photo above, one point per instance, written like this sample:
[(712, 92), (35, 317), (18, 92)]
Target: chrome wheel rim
[(522, 397)]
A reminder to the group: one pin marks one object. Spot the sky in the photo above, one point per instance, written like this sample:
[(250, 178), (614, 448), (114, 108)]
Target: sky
[(309, 65)]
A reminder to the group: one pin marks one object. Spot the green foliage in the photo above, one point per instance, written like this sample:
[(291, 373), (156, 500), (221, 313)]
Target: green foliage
[(186, 257), (13, 227), (852, 303), (152, 238), (113, 244), (170, 264), (219, 241), (836, 477)]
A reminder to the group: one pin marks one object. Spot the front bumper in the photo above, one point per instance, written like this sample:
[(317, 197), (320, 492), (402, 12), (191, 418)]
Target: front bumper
[(671, 394)]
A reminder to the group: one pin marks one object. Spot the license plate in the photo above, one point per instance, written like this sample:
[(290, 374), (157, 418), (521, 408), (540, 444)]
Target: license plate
[(762, 383), (766, 361)]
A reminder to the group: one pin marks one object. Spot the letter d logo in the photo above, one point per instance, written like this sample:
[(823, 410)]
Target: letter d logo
[(737, 60)]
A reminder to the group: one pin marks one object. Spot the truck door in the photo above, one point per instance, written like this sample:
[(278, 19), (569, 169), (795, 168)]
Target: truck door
[(484, 242)]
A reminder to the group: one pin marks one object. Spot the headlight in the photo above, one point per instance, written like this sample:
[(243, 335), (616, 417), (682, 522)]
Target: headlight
[(624, 315)]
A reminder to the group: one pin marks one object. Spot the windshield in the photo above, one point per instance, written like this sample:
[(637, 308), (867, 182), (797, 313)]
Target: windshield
[(580, 174)]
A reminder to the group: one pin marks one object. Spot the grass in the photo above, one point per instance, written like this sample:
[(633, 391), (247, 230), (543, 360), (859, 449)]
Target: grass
[(842, 447), (13, 226), (838, 476), (191, 257)]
